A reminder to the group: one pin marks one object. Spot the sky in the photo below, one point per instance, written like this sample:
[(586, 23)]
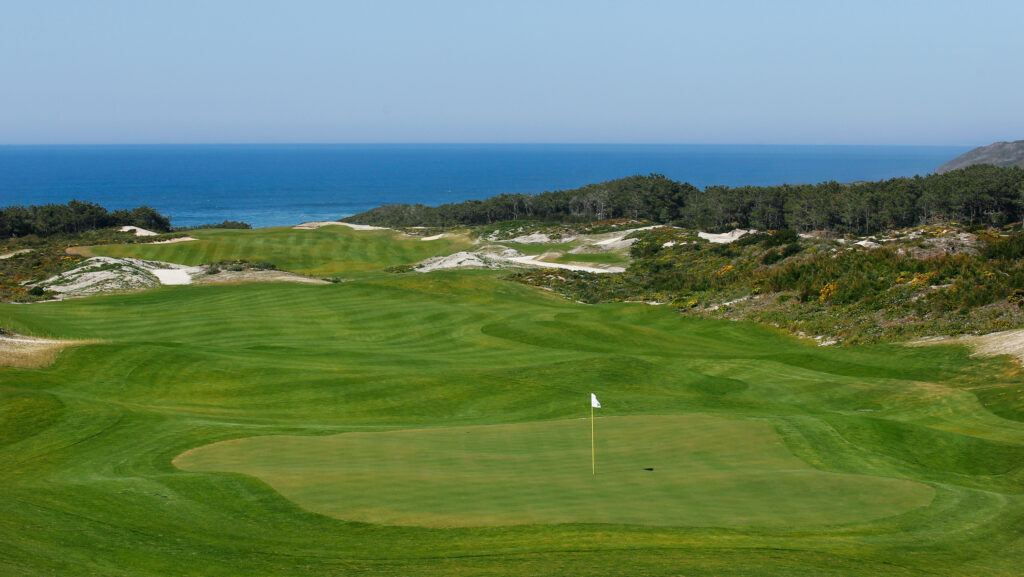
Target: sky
[(577, 71)]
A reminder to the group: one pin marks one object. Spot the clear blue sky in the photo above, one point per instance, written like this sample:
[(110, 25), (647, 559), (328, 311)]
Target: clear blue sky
[(811, 72)]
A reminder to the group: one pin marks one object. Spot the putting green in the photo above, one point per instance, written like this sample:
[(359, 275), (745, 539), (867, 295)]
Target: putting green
[(707, 471)]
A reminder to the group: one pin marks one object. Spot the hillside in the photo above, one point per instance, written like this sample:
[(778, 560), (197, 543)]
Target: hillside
[(996, 154)]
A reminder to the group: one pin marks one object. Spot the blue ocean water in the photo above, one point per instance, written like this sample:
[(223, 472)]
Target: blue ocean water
[(278, 185)]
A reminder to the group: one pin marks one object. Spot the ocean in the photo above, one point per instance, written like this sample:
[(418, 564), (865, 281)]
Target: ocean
[(285, 184)]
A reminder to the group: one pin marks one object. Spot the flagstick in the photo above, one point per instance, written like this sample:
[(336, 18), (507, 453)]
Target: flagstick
[(593, 466)]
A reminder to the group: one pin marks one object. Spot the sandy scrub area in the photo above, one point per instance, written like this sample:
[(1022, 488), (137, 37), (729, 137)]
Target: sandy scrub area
[(245, 276), (438, 236), (15, 253), (535, 260), (29, 352), (105, 274), (497, 256), (173, 240), (990, 345)]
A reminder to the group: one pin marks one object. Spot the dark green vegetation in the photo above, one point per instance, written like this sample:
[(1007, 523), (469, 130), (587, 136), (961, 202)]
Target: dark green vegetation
[(233, 224), (929, 280), (88, 484), (978, 195), (997, 154), (75, 217), (34, 241)]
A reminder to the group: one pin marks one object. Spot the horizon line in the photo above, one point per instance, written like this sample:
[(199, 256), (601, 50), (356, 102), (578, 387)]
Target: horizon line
[(464, 143)]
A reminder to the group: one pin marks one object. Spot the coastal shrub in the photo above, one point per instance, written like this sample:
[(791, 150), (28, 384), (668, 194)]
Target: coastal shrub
[(974, 196), (781, 237)]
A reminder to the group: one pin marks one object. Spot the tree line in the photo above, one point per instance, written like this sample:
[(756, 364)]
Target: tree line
[(75, 217), (976, 195)]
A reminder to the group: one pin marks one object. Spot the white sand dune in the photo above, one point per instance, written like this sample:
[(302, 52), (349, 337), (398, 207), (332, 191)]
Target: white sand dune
[(104, 274), (725, 237), (138, 231)]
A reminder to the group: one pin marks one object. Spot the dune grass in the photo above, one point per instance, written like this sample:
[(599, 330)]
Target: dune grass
[(597, 257), (88, 484)]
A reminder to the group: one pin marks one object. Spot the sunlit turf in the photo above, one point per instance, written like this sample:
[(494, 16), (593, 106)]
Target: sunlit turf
[(326, 251), (677, 470), (88, 483)]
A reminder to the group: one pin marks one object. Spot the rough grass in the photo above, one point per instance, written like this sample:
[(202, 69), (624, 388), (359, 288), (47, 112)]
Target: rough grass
[(597, 257), (88, 484)]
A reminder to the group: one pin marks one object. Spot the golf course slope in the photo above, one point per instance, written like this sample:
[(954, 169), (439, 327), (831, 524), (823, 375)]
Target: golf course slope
[(439, 424)]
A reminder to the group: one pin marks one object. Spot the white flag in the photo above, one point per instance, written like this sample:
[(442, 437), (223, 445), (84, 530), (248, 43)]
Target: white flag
[(594, 402)]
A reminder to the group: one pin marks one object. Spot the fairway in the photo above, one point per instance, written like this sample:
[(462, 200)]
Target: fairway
[(692, 470), (330, 250), (436, 424)]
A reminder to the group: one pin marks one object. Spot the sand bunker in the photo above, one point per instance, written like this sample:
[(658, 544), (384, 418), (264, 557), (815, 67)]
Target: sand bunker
[(322, 223), (172, 276), (437, 236)]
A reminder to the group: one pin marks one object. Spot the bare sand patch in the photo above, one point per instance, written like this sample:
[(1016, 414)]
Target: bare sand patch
[(30, 353), (322, 223), (497, 256), (173, 240), (138, 231), (245, 276), (990, 345), (172, 276), (725, 237), (536, 260), (15, 253)]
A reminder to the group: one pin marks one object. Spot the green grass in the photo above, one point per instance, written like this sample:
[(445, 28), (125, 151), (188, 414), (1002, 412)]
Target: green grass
[(704, 471), (391, 363), (326, 251)]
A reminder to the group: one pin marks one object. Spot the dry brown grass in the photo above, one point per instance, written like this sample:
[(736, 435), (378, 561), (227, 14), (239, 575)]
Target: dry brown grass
[(80, 251), (30, 353)]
